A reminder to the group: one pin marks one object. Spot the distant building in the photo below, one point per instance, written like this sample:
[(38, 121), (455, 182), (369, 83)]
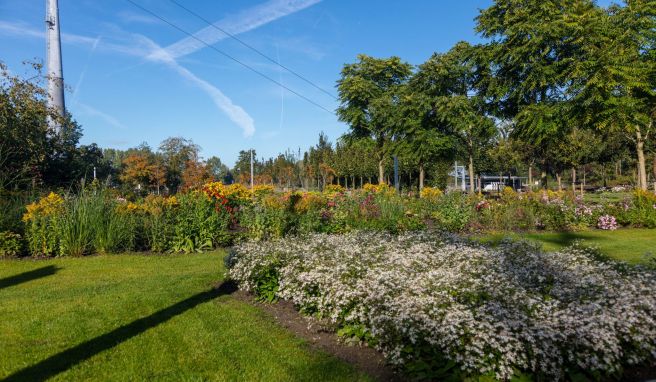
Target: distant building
[(485, 182)]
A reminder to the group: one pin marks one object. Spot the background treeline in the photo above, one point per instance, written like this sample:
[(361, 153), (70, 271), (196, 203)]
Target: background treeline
[(560, 90)]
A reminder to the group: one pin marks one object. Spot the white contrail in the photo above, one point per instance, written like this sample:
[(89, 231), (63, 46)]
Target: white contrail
[(242, 22), (234, 112), (21, 29), (84, 70), (89, 110)]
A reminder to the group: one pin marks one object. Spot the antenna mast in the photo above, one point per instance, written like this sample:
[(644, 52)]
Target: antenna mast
[(55, 73)]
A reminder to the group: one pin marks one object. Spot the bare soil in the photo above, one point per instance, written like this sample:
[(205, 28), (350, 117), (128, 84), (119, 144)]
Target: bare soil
[(363, 358)]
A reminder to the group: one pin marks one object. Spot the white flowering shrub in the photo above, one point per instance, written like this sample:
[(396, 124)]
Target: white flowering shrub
[(441, 307)]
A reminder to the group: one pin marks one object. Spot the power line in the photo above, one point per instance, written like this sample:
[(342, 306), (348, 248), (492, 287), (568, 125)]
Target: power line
[(253, 49), (229, 56)]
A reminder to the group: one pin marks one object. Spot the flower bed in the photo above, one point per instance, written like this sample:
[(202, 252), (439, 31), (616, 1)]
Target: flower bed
[(443, 308), (100, 220)]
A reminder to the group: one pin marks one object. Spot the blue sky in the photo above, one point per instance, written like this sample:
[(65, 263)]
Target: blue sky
[(131, 78)]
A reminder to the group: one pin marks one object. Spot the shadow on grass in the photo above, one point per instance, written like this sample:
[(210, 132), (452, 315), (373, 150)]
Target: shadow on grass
[(564, 239), (66, 359), (28, 276)]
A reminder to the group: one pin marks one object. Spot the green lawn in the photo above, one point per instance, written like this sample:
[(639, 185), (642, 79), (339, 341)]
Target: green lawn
[(628, 245), (606, 197), (138, 317)]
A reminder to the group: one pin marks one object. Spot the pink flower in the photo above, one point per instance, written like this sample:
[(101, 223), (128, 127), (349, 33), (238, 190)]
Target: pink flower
[(607, 222)]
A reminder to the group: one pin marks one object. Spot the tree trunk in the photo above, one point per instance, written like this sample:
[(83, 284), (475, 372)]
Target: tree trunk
[(574, 179), (583, 169), (480, 188), (381, 172), (530, 177), (346, 182), (642, 165), (422, 175), (544, 179), (654, 170), (471, 174), (560, 183)]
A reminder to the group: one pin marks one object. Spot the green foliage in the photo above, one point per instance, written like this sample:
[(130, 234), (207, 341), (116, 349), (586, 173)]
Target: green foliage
[(264, 222), (158, 230), (267, 284), (356, 333), (197, 225), (11, 244), (453, 212), (644, 212), (426, 362), (31, 154), (117, 231), (78, 224), (42, 236), (12, 206)]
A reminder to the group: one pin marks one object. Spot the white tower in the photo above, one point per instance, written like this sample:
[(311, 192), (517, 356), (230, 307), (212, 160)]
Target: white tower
[(55, 73)]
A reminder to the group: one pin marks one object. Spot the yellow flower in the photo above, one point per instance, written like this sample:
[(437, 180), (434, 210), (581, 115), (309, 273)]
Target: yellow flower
[(643, 196), (430, 193), (237, 191), (132, 206), (273, 202), (379, 188), (261, 190), (44, 207), (333, 189), (172, 201), (310, 200)]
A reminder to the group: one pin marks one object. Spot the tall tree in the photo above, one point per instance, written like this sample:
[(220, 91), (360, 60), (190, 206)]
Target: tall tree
[(532, 45), (195, 175), (217, 169), (448, 82), (614, 81), (369, 91), (140, 170), (30, 153), (176, 152), (422, 137), (242, 168)]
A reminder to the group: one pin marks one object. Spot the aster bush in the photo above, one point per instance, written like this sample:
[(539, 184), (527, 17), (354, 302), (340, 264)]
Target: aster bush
[(443, 308)]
